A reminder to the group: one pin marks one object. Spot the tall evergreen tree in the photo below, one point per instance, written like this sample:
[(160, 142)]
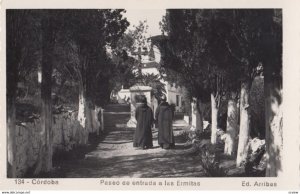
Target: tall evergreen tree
[(91, 31)]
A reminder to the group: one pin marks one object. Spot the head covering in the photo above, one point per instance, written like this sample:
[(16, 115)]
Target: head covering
[(163, 98), (144, 99)]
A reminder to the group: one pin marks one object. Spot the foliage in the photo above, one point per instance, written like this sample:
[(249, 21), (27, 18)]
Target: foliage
[(23, 54), (270, 42), (189, 51), (154, 81), (124, 69), (164, 24), (24, 28), (84, 38), (210, 161), (139, 36), (81, 37), (255, 165), (213, 50), (183, 136), (126, 57)]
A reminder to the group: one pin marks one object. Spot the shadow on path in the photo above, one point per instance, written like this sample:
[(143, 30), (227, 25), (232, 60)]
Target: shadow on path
[(116, 157)]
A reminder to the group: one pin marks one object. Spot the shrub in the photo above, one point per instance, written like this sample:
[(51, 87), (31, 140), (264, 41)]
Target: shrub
[(255, 164), (210, 161)]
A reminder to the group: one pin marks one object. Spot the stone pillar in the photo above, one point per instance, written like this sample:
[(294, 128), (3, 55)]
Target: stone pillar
[(135, 91)]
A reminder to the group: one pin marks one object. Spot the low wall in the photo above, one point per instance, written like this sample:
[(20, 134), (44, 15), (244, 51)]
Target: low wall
[(67, 134)]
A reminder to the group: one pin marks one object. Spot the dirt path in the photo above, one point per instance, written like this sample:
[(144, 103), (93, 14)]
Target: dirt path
[(116, 157)]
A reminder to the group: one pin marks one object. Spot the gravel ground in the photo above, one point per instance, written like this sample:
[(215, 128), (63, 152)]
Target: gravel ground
[(116, 157)]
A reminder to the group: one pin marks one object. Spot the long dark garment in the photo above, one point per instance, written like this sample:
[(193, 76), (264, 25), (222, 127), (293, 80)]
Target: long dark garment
[(164, 116), (143, 134)]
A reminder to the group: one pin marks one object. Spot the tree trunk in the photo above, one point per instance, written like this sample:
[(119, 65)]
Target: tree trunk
[(92, 121), (89, 117), (13, 57), (97, 119), (48, 41), (244, 123), (273, 116), (81, 106), (102, 119), (197, 116), (46, 121), (214, 119), (272, 69), (82, 112), (11, 133), (232, 126)]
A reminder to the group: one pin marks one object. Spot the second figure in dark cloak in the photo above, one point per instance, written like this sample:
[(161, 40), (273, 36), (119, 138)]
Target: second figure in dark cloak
[(164, 117)]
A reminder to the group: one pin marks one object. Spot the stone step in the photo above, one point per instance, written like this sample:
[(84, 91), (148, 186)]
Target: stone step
[(110, 120), (117, 113), (117, 108)]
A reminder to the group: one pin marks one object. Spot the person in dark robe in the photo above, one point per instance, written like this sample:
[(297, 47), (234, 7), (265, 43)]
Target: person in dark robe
[(143, 132), (164, 116)]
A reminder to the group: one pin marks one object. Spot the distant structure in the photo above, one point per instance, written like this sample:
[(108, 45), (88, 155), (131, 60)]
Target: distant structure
[(149, 64)]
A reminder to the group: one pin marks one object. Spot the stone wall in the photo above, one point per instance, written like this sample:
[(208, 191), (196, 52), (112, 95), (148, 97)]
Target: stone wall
[(67, 134), (27, 145)]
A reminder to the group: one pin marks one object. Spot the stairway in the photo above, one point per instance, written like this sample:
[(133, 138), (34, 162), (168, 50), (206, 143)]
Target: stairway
[(117, 108), (116, 114)]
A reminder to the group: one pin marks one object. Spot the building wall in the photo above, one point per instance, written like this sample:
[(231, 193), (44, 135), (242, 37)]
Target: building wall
[(178, 97)]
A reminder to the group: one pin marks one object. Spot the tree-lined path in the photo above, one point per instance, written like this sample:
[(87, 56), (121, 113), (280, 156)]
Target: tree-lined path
[(65, 66), (115, 155)]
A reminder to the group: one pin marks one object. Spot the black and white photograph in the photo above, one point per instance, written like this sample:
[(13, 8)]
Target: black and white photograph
[(144, 93)]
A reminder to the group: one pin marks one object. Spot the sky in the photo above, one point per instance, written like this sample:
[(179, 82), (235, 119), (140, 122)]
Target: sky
[(153, 17)]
